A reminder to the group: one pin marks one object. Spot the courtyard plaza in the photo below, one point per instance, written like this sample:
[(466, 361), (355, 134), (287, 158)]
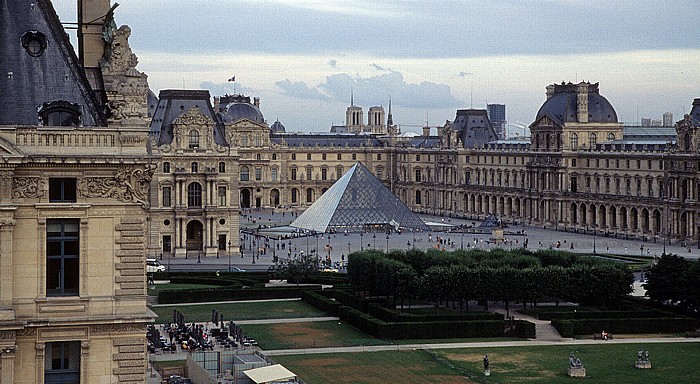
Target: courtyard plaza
[(266, 235)]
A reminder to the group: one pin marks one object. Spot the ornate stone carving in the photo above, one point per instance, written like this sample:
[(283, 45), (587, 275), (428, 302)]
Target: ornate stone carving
[(117, 328), (193, 116), (7, 335), (26, 332), (126, 88), (28, 187), (7, 222), (127, 185)]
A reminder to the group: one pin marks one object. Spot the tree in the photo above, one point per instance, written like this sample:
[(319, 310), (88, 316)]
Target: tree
[(296, 268), (673, 281)]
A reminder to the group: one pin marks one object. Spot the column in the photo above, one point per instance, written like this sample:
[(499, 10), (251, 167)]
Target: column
[(39, 362), (7, 356), (7, 227), (84, 358)]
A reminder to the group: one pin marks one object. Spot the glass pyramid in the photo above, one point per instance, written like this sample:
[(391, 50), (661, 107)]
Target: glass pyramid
[(358, 201)]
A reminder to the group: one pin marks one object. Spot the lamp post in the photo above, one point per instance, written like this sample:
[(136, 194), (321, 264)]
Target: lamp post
[(387, 243), (375, 241), (199, 256), (362, 246), (348, 247), (461, 245), (229, 255), (594, 240)]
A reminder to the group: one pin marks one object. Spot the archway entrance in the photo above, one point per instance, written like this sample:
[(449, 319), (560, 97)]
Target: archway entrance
[(245, 198), (194, 236), (275, 198)]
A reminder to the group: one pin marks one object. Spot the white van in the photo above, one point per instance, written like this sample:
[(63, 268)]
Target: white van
[(152, 265)]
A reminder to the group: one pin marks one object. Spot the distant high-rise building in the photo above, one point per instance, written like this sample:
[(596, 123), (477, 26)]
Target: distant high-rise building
[(668, 119), (497, 116), (656, 123), (646, 122)]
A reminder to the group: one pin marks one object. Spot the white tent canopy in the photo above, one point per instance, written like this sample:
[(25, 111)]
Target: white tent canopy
[(270, 374)]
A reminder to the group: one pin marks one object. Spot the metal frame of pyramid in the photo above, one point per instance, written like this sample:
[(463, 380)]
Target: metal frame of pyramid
[(358, 201)]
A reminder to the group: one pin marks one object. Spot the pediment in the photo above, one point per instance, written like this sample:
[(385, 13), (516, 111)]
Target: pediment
[(8, 149), (545, 121)]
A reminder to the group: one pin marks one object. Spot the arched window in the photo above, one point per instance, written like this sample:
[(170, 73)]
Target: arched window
[(194, 195), (418, 198), (295, 195), (245, 173), (222, 167), (195, 167), (258, 156), (611, 136), (309, 195), (573, 141), (194, 139), (592, 139), (339, 170), (686, 142), (166, 167)]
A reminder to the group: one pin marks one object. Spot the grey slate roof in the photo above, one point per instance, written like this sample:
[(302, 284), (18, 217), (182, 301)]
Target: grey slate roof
[(324, 139), (695, 112), (474, 128), (173, 103), (561, 107), (54, 75), (356, 200), (234, 108)]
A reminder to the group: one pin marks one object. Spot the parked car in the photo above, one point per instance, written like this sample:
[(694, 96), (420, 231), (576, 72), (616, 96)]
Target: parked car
[(152, 265)]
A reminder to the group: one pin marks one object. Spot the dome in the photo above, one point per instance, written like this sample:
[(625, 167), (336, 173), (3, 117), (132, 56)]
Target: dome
[(236, 108), (277, 127), (562, 103)]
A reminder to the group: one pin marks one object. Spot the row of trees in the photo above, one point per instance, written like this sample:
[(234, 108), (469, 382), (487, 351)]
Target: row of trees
[(675, 281), (461, 277)]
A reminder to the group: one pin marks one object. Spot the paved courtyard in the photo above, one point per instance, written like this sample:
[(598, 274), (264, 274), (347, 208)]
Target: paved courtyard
[(269, 226)]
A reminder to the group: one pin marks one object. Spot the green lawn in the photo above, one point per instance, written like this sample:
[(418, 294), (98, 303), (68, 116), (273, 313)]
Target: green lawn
[(308, 335), (608, 363), (240, 311)]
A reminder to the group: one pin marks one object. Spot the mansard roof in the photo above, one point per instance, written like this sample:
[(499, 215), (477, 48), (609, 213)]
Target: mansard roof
[(173, 103), (562, 105), (323, 139), (38, 65)]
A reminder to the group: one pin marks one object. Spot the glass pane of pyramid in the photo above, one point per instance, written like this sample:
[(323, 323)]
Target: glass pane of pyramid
[(358, 200)]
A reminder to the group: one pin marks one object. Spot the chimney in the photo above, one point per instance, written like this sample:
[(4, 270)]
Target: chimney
[(426, 131), (217, 103), (550, 90), (256, 102), (440, 131), (582, 102)]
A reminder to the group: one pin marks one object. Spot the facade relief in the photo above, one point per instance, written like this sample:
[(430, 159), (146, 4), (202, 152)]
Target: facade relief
[(28, 187), (127, 185)]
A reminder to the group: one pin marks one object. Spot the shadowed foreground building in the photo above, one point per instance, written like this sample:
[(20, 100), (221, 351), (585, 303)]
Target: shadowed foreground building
[(74, 188)]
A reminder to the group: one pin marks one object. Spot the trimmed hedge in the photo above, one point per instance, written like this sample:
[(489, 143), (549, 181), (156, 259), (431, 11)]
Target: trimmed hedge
[(232, 294), (421, 330), (604, 314), (569, 328), (320, 301), (204, 280), (393, 315)]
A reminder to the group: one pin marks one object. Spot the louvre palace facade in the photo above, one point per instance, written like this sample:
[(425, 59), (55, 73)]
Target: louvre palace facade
[(581, 170)]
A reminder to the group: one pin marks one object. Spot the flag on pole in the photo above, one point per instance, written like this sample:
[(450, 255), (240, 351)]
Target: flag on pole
[(232, 79)]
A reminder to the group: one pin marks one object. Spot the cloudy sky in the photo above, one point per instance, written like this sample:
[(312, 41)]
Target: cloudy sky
[(303, 58)]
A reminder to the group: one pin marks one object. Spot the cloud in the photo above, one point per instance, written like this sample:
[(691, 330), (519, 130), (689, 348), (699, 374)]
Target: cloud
[(379, 67), (464, 74), (300, 90), (219, 89), (333, 62), (376, 90)]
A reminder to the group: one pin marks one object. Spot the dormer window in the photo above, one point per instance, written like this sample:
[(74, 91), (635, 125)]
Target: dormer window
[(194, 139), (34, 43), (59, 114)]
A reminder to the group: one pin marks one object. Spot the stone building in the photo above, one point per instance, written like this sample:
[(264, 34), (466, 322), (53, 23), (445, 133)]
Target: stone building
[(74, 188)]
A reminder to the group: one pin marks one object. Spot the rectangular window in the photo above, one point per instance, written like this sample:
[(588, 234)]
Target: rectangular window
[(308, 156), (274, 174), (62, 362), (354, 156), (62, 257), (258, 174), (166, 196), (323, 156), (308, 173), (340, 157), (222, 196), (62, 190), (324, 174), (379, 156), (167, 240), (294, 173), (294, 156)]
